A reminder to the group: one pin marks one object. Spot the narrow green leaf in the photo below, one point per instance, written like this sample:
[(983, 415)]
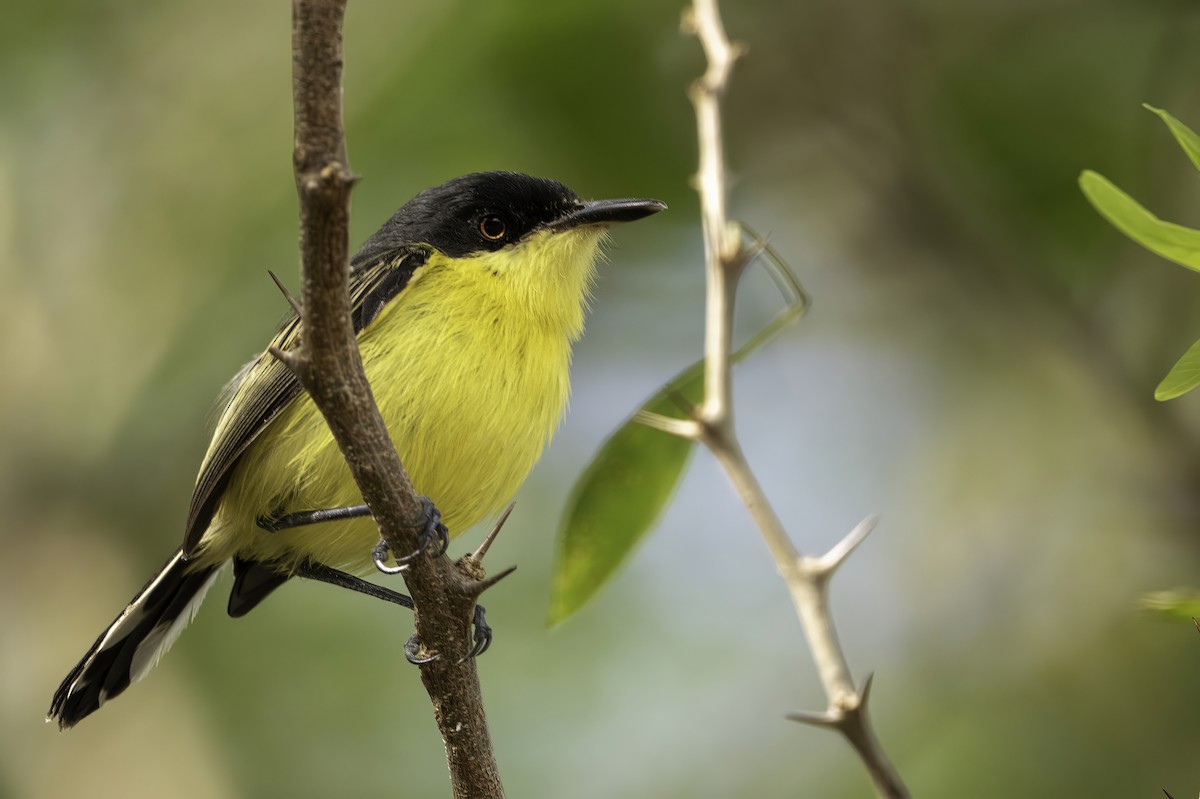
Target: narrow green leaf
[(1186, 137), (1181, 603), (619, 496), (1173, 242), (1183, 377)]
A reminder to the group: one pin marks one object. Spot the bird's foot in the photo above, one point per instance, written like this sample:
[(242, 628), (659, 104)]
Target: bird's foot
[(432, 530)]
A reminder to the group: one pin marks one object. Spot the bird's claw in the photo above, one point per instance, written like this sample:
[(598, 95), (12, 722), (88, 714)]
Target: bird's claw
[(381, 553), (432, 530), (411, 647), (481, 639), (482, 635)]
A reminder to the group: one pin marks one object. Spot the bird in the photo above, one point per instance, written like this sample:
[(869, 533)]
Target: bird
[(465, 304)]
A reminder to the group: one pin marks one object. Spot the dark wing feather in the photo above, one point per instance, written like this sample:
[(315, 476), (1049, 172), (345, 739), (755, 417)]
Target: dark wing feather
[(265, 386)]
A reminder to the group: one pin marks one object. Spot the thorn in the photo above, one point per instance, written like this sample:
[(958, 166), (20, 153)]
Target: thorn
[(825, 720), (287, 295), (284, 357), (478, 554), (865, 694), (828, 563), (484, 585)]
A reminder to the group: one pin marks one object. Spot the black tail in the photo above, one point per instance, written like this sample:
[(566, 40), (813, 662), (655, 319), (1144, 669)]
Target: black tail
[(134, 642)]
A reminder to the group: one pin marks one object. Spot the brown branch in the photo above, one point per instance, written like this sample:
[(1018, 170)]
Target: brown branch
[(328, 365)]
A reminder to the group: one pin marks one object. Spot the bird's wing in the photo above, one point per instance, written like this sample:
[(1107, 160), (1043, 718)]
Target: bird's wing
[(264, 387)]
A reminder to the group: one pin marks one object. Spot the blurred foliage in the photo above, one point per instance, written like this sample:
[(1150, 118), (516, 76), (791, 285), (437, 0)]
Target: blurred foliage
[(1183, 377), (1178, 604), (978, 368), (1174, 242)]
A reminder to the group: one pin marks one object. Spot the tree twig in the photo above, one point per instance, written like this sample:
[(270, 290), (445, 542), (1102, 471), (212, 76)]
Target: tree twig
[(328, 365), (807, 577)]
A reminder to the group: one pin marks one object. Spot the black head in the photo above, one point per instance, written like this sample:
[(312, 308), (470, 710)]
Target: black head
[(486, 211)]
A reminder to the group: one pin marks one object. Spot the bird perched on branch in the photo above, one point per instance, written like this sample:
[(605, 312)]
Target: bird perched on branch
[(466, 303)]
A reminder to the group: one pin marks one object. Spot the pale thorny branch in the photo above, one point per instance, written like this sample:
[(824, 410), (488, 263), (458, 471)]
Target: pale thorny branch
[(807, 577)]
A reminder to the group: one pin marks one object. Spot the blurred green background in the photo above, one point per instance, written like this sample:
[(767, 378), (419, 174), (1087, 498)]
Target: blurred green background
[(978, 368)]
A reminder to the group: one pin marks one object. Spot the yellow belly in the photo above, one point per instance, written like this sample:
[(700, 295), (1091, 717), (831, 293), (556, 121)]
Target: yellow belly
[(471, 396)]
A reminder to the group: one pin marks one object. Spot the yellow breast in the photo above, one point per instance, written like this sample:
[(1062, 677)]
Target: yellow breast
[(469, 365)]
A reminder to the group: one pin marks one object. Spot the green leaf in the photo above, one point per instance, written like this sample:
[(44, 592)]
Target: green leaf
[(1181, 604), (620, 495), (1173, 242), (1183, 377), (1186, 137)]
